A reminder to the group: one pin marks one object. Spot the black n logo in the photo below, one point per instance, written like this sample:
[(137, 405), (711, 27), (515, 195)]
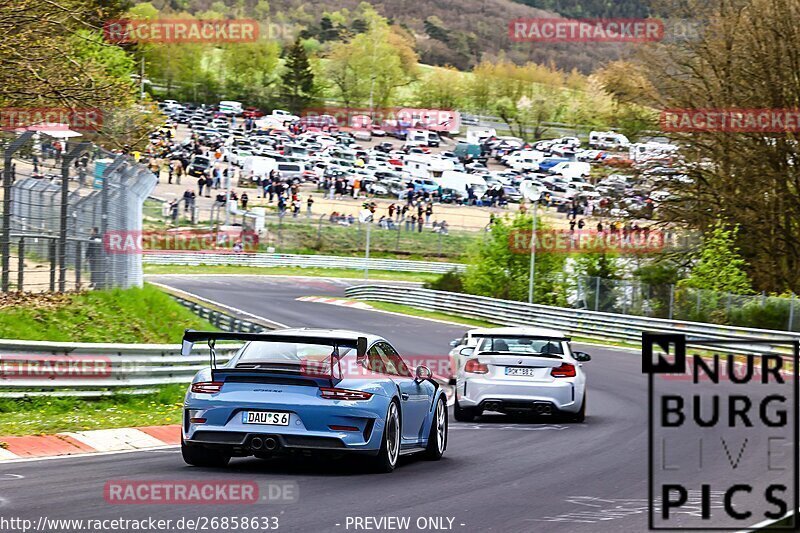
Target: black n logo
[(663, 353)]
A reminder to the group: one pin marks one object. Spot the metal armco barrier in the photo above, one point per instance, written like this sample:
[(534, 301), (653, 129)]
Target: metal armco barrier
[(37, 367), (575, 322), (297, 260)]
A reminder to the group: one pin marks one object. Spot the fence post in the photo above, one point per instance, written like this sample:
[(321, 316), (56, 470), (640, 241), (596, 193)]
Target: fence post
[(66, 161), (51, 252), (78, 265), (697, 309), (791, 313), (8, 178), (440, 244), (597, 293), (671, 299), (20, 263)]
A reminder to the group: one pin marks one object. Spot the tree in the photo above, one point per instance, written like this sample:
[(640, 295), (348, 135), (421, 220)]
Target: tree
[(297, 84), (371, 66), (499, 266), (746, 58), (720, 267)]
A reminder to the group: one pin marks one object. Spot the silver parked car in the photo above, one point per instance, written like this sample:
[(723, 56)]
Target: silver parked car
[(518, 369)]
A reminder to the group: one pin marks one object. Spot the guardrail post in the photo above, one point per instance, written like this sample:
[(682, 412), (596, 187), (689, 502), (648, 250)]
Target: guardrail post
[(791, 313)]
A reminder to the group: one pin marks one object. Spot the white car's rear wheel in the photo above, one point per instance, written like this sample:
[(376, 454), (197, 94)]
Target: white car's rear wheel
[(464, 414)]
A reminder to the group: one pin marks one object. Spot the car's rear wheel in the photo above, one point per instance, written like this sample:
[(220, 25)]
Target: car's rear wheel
[(200, 456), (386, 460), (580, 416), (437, 438), (464, 414)]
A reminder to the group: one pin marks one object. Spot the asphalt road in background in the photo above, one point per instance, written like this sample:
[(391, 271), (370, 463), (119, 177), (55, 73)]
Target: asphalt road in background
[(498, 474)]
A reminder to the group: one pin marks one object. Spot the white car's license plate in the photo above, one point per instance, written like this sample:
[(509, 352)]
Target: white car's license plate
[(268, 418), (520, 371)]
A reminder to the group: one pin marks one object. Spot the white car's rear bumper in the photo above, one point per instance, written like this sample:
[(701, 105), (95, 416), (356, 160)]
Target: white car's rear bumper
[(562, 395)]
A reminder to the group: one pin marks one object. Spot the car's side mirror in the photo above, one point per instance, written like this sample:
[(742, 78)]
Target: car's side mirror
[(467, 351), (581, 356), (455, 342), (422, 373)]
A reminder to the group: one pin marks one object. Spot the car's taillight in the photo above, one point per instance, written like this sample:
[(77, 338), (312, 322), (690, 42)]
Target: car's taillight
[(207, 387), (566, 370), (330, 393), (474, 366)]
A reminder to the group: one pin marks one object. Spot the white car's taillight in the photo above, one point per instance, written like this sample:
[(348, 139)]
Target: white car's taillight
[(566, 370), (474, 366)]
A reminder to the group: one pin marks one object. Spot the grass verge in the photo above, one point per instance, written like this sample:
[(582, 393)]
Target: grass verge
[(138, 315), (47, 415), (290, 271)]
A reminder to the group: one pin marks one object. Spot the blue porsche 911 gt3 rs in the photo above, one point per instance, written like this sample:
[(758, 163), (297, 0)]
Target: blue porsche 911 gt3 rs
[(314, 390)]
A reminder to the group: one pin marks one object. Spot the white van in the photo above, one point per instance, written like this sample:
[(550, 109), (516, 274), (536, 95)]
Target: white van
[(651, 150), (527, 160), (259, 166), (458, 181), (231, 107), (607, 140), (479, 135), (572, 169)]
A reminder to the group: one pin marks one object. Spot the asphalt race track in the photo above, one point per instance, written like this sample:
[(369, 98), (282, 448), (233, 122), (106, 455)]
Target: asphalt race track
[(498, 474)]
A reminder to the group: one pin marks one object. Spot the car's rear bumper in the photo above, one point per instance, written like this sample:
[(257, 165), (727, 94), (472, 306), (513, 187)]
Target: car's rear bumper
[(504, 395)]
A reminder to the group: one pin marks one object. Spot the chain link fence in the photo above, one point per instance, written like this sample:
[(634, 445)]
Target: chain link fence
[(61, 199), (677, 302)]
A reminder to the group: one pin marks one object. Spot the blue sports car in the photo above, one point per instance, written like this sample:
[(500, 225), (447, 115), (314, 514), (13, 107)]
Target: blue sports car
[(315, 390)]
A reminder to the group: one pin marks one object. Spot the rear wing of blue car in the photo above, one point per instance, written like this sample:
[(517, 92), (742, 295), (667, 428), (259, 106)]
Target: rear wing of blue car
[(190, 337)]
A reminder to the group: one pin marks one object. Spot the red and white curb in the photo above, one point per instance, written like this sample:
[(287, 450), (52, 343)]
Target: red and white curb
[(336, 301), (87, 442)]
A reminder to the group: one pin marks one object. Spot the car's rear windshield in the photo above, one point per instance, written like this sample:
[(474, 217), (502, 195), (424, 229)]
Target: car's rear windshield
[(289, 352), (521, 345)]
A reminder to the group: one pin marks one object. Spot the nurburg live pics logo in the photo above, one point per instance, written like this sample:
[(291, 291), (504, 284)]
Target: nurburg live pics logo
[(728, 432)]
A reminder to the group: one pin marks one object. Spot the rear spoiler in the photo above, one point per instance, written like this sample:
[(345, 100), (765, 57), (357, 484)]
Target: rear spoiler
[(522, 336), (191, 336)]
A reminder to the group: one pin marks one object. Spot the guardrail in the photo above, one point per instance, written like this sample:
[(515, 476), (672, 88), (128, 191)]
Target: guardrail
[(266, 260), (574, 322), (36, 368)]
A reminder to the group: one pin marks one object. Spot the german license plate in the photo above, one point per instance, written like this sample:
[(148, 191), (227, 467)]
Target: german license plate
[(267, 418), (520, 371)]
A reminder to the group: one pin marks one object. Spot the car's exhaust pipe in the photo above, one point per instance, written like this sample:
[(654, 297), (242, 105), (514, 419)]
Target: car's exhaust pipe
[(270, 444), (543, 408), (256, 443)]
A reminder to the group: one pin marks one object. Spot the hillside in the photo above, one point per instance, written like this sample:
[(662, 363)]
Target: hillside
[(446, 32)]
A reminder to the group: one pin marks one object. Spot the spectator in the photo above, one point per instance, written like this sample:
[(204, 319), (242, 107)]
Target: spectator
[(245, 199), (309, 205)]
